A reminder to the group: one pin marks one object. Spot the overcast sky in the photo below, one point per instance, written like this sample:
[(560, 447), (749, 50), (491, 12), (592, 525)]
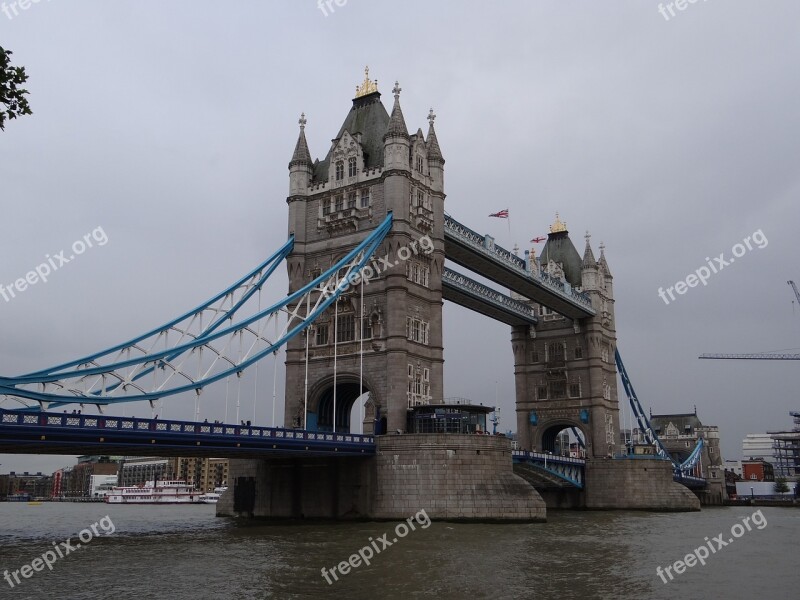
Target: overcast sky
[(170, 126)]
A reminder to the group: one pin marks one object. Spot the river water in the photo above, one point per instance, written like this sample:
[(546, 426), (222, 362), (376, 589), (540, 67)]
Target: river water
[(186, 552)]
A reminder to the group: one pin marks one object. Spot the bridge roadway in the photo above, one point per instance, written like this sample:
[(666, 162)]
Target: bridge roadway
[(550, 470), (26, 432), (480, 254)]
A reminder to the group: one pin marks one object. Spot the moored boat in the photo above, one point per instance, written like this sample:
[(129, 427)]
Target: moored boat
[(155, 492)]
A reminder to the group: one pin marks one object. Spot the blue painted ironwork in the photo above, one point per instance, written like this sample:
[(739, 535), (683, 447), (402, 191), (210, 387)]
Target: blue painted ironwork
[(571, 470), (681, 470), (123, 373), (79, 434), (514, 311), (486, 246)]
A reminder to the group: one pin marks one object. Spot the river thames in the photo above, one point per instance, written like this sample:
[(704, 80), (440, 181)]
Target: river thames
[(187, 553)]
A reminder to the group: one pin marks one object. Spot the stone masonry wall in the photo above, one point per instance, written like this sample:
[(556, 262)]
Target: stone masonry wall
[(451, 477), (636, 485)]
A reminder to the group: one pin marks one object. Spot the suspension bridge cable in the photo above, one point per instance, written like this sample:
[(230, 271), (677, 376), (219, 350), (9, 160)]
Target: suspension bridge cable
[(335, 341), (305, 383)]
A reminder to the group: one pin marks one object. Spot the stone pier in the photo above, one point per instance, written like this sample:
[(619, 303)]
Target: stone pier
[(635, 485), (451, 477)]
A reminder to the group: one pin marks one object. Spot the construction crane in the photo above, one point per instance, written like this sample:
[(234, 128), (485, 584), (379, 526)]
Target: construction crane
[(753, 356), (796, 293), (760, 355)]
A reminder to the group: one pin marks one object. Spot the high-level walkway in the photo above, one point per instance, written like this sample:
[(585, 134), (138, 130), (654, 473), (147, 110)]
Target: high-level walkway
[(471, 294), (480, 254)]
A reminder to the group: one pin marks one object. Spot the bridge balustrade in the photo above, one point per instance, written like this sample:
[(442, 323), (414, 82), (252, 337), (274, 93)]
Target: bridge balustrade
[(486, 245), (189, 428), (489, 295), (571, 470)]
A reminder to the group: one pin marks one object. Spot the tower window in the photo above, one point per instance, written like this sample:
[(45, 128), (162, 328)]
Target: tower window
[(351, 167), (326, 207), (418, 273), (339, 170), (417, 330), (419, 387), (346, 330), (578, 352), (366, 328), (419, 164), (541, 392), (365, 198), (321, 335), (339, 205), (574, 390), (351, 200)]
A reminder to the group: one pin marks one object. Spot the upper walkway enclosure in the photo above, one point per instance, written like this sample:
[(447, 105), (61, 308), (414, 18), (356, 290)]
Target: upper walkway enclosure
[(480, 254)]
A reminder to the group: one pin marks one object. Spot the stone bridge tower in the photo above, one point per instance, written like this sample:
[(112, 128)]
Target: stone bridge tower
[(565, 371), (373, 166)]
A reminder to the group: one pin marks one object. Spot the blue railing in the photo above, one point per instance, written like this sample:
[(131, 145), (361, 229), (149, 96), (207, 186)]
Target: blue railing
[(571, 470), (187, 429)]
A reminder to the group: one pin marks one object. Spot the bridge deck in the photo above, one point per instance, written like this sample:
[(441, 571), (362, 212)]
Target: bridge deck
[(482, 299), (23, 432), (479, 254)]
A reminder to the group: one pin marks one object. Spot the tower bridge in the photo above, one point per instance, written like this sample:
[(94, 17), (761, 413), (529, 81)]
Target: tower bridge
[(362, 337)]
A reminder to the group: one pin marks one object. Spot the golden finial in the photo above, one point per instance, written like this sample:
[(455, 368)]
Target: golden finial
[(558, 226), (368, 87)]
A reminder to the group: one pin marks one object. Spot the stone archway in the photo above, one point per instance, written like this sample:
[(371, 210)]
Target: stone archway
[(559, 438), (321, 402)]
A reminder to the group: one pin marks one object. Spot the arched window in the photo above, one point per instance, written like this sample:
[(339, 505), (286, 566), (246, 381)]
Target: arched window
[(351, 167), (339, 170)]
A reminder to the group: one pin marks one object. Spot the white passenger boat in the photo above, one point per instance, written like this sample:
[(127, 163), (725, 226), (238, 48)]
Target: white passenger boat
[(155, 492), (212, 497)]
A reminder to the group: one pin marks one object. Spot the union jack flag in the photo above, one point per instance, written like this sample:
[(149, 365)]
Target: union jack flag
[(503, 214)]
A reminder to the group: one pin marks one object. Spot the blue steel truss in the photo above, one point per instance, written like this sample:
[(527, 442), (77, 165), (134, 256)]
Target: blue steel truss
[(570, 470), (683, 469), (220, 338)]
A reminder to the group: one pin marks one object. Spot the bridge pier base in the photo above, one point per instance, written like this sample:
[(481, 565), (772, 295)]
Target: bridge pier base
[(629, 484), (449, 476), (298, 488)]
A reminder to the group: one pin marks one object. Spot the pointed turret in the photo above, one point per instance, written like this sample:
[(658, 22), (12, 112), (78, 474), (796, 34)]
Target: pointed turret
[(434, 152), (301, 155), (435, 158), (301, 166), (396, 141), (602, 262), (397, 123), (588, 256), (589, 274)]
